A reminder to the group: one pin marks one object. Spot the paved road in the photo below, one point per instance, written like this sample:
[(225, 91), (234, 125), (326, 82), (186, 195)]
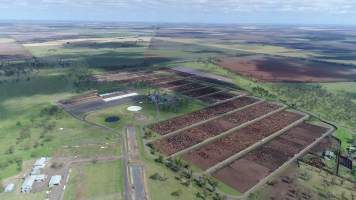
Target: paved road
[(138, 185), (136, 170), (127, 190), (132, 143)]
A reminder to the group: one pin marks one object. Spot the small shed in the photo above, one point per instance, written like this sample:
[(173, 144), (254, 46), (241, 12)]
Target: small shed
[(9, 187), (27, 184), (55, 180)]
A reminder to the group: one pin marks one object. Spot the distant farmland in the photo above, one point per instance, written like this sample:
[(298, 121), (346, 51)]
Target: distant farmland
[(279, 69)]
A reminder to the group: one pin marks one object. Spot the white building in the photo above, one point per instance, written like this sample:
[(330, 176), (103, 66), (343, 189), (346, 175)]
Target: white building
[(9, 188), (27, 184), (55, 180), (36, 171)]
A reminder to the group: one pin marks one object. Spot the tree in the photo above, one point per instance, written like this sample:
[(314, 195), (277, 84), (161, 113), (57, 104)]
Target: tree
[(218, 196)]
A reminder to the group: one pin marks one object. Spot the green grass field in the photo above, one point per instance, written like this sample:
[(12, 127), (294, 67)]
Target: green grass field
[(149, 112), (346, 138), (17, 196), (99, 181), (341, 87), (27, 131)]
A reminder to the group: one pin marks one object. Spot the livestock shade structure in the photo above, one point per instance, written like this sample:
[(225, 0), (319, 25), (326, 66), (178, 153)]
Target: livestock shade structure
[(345, 162), (27, 184), (55, 180)]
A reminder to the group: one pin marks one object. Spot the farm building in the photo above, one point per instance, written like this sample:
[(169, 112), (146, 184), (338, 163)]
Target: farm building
[(36, 171), (9, 188), (40, 178), (27, 184), (55, 180), (41, 163)]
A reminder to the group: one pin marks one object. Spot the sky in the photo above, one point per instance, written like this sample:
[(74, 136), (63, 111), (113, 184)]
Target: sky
[(194, 11)]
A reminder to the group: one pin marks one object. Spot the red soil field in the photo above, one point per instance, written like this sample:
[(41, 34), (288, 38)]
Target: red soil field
[(177, 123), (276, 69), (221, 96), (201, 92), (12, 51), (213, 153), (247, 171), (195, 135)]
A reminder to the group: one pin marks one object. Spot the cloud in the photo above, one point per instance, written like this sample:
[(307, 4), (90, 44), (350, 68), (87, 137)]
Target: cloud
[(208, 10), (229, 6)]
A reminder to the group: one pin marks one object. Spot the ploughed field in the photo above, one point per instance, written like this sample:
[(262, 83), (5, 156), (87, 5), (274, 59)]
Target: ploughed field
[(221, 96), (189, 137), (201, 92), (155, 78), (197, 90), (173, 84), (160, 80), (279, 69), (89, 97), (122, 77), (211, 154), (188, 87), (180, 122), (11, 51), (250, 169)]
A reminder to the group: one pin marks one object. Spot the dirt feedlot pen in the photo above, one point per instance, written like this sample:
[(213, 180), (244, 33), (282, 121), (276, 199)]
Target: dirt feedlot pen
[(197, 134), (213, 153), (247, 171), (177, 123)]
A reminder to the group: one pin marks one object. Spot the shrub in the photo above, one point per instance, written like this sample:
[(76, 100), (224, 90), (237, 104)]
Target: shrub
[(57, 165), (177, 193), (159, 159), (10, 150), (51, 110), (19, 163)]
